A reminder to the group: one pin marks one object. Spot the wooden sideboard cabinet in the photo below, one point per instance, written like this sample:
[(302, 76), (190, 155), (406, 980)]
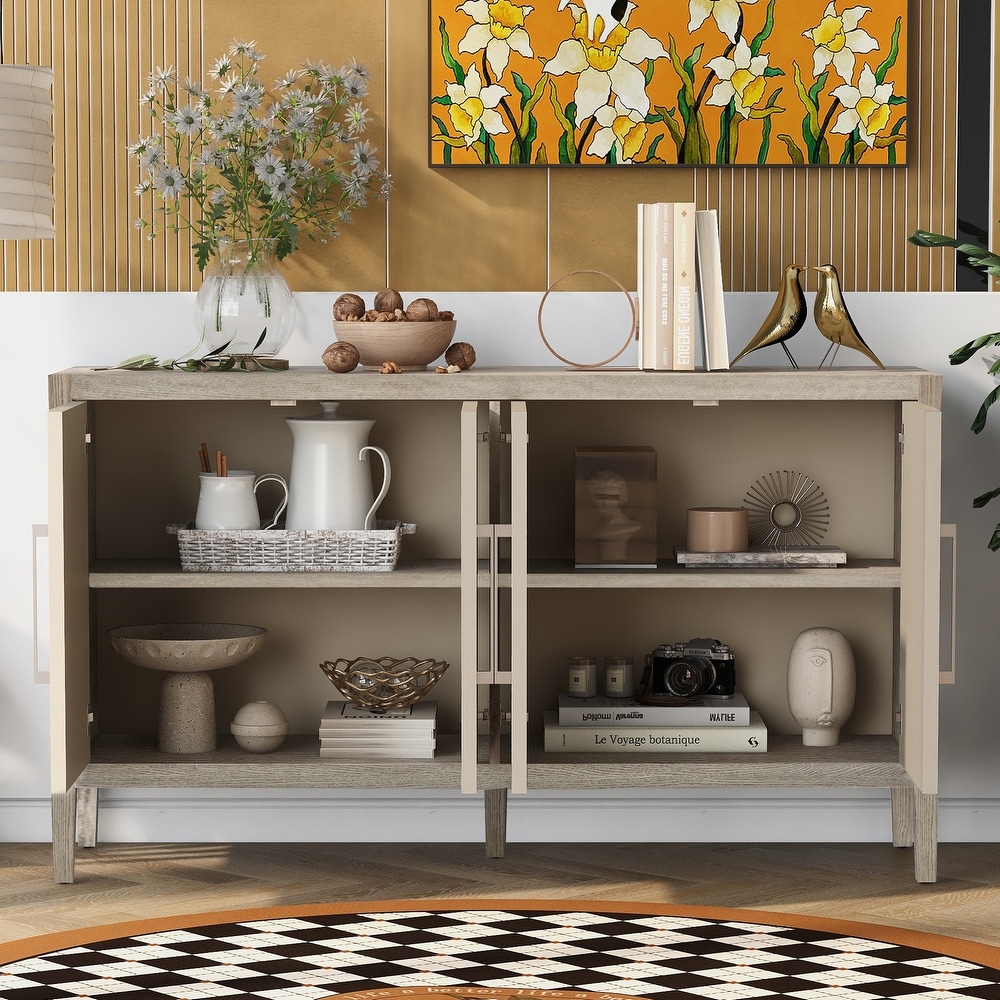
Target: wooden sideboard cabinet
[(483, 464)]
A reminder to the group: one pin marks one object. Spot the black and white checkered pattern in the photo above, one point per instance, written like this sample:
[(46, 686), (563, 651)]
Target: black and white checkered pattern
[(311, 958)]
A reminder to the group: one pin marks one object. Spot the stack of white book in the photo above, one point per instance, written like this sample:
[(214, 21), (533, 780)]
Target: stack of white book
[(622, 725), (348, 730)]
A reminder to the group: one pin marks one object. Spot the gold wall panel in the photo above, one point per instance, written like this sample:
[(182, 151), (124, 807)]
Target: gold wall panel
[(462, 228)]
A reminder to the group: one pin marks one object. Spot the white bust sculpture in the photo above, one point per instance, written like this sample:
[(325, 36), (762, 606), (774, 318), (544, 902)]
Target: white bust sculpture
[(821, 683)]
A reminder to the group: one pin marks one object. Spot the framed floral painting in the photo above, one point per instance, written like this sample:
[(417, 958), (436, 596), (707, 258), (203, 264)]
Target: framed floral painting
[(611, 82)]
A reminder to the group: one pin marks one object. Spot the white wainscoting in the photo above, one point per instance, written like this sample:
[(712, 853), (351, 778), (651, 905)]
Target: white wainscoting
[(49, 331)]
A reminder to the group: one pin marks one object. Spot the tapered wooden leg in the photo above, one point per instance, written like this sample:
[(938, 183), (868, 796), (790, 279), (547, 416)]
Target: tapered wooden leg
[(903, 807), (495, 807), (86, 817), (64, 836), (926, 837)]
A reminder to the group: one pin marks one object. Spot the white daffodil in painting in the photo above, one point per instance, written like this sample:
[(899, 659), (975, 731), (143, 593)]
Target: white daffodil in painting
[(741, 80), (499, 29), (838, 38), (622, 129), (867, 107), (606, 67), (473, 106), (728, 15)]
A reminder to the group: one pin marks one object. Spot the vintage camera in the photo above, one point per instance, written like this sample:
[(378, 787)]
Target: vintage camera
[(687, 670)]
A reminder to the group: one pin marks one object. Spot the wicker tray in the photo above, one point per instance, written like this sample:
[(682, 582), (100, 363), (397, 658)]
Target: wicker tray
[(277, 551)]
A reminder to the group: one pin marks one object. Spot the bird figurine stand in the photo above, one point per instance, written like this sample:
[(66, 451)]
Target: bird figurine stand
[(785, 318), (788, 314), (833, 320)]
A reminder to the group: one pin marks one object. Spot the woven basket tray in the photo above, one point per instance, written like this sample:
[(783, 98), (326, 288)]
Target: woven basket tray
[(305, 551)]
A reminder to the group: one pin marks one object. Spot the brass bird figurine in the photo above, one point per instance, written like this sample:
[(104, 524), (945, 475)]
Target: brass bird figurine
[(833, 319), (785, 318)]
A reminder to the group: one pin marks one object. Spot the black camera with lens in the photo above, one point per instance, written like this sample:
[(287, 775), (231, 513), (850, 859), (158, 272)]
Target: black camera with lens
[(701, 667)]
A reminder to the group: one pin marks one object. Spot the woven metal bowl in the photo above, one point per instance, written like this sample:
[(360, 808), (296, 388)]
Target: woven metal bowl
[(384, 683)]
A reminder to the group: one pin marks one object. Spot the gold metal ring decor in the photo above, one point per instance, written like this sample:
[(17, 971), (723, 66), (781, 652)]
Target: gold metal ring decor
[(632, 333), (384, 683)]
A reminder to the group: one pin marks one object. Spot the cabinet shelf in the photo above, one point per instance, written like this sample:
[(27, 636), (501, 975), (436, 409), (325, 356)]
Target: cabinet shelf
[(134, 762), (167, 574), (856, 762), (858, 573)]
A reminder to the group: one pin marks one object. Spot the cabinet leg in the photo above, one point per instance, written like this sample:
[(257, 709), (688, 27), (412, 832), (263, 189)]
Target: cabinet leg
[(495, 807), (86, 817), (903, 808), (926, 837), (64, 836)]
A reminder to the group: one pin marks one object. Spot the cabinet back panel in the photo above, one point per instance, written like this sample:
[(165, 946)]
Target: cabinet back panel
[(708, 456), (147, 466), (305, 627), (760, 626)]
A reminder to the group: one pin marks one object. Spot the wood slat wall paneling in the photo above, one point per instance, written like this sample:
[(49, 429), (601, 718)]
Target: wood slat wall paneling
[(457, 228), (462, 228), (289, 33)]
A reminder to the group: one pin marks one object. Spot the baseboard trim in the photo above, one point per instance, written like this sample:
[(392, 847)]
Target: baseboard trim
[(225, 816)]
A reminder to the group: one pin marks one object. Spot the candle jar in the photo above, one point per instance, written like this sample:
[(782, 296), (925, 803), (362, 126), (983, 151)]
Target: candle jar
[(581, 677), (619, 677)]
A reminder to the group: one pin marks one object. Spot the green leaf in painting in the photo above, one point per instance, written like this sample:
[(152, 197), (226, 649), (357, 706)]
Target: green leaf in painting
[(890, 59), (450, 61)]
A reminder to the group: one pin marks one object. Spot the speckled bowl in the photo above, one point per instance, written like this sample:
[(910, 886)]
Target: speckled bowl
[(188, 648)]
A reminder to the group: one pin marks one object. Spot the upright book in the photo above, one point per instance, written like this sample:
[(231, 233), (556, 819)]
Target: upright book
[(602, 711), (655, 739), (666, 283), (708, 252)]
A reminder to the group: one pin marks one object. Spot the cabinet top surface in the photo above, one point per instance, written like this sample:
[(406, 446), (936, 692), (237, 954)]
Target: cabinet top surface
[(483, 383)]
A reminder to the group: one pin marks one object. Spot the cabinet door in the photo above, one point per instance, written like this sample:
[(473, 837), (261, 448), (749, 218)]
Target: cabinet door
[(69, 594), (920, 569)]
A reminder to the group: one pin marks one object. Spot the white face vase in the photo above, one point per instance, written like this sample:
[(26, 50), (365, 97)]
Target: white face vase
[(821, 683)]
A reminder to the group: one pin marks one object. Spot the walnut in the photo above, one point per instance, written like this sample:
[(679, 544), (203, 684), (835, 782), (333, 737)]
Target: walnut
[(422, 310), (388, 300), (349, 307), (371, 315), (446, 314), (341, 356), (385, 317), (390, 368), (461, 354)]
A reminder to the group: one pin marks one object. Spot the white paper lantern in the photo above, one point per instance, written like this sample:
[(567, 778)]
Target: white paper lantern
[(26, 142)]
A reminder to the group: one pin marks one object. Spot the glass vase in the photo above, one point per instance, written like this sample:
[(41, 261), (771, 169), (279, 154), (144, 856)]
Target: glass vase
[(244, 305)]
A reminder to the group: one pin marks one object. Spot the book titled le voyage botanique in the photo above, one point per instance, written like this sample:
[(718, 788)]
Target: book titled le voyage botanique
[(655, 739)]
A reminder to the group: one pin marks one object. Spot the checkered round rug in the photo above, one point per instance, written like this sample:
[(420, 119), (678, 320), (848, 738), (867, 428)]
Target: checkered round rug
[(482, 953)]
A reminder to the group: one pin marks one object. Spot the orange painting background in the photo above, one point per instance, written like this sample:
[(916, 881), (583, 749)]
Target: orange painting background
[(548, 28)]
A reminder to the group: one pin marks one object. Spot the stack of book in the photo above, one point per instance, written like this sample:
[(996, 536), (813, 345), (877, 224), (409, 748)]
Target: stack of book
[(679, 277), (348, 730), (622, 725)]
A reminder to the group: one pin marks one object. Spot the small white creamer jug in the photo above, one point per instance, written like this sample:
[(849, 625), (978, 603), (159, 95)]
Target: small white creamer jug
[(229, 502), (330, 486)]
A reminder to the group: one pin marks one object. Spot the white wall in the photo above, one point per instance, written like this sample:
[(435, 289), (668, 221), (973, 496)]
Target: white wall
[(48, 331)]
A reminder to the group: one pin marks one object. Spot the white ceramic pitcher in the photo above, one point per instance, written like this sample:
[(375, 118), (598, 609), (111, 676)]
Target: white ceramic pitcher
[(330, 486)]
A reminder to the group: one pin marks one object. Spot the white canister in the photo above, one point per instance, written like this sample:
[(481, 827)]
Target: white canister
[(821, 684), (581, 677), (619, 677)]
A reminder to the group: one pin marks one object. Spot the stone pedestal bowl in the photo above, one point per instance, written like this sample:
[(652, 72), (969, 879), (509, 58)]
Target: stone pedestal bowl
[(187, 653)]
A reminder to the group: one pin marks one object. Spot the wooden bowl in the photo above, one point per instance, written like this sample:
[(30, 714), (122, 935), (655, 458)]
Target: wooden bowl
[(413, 346)]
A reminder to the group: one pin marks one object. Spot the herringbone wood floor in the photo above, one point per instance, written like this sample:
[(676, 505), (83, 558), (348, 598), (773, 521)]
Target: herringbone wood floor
[(866, 882)]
